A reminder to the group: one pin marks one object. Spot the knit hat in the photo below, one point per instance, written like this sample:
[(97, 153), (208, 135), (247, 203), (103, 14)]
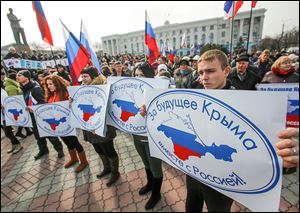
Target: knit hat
[(25, 73), (91, 71), (162, 67)]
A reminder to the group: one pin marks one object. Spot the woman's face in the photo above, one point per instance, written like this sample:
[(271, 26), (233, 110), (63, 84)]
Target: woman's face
[(139, 73), (286, 65), (50, 85)]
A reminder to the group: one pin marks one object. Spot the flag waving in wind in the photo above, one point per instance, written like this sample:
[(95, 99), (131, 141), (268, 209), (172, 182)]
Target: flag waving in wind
[(86, 42), (42, 22), (78, 55), (228, 8), (150, 41)]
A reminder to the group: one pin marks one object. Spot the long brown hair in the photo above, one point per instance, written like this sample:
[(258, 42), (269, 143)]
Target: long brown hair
[(60, 85)]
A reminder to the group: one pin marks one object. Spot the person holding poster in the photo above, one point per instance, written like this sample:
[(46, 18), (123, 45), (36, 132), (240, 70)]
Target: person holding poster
[(55, 91), (32, 92), (213, 69), (153, 166), (104, 146)]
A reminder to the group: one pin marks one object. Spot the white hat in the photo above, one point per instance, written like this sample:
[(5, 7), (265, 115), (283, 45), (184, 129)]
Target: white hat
[(162, 67)]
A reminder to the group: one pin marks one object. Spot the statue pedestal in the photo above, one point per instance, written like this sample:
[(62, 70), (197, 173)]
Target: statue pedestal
[(22, 47)]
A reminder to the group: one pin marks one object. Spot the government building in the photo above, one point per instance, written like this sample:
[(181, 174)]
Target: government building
[(214, 30)]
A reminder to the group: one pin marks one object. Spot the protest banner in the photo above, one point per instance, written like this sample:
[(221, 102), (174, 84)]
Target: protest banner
[(223, 139), (126, 98), (292, 118), (15, 111), (89, 106), (54, 119)]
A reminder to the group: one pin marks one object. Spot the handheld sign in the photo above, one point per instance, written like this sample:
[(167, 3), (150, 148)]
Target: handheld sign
[(221, 138), (126, 98), (54, 119), (15, 111), (89, 107)]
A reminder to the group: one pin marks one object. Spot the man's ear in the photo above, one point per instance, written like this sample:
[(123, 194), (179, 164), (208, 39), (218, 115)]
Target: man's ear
[(227, 70)]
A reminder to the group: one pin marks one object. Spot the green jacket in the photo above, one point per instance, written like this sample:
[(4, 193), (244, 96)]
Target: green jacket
[(11, 87)]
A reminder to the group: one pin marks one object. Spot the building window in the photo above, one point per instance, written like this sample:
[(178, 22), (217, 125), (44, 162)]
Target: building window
[(188, 30), (223, 26), (132, 50), (204, 29), (188, 41), (211, 27), (131, 39), (173, 33), (137, 47), (195, 30), (195, 39), (203, 38), (180, 32), (174, 43), (211, 38), (223, 33)]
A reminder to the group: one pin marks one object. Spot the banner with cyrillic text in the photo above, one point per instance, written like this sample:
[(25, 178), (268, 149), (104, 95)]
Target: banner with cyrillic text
[(15, 112), (292, 117), (127, 95), (30, 64), (89, 107), (222, 138), (54, 119)]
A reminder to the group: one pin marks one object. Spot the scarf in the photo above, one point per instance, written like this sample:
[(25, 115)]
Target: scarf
[(278, 71)]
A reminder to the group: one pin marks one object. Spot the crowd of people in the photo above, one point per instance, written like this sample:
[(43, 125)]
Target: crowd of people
[(211, 70)]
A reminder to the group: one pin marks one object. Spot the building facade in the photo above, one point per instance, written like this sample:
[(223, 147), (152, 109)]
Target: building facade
[(214, 30)]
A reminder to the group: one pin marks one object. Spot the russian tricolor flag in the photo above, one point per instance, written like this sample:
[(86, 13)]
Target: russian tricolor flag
[(78, 55), (150, 41), (42, 22), (86, 42), (228, 8)]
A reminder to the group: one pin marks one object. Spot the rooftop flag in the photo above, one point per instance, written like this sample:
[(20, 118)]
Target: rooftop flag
[(150, 41), (42, 22), (253, 4), (86, 42), (228, 8), (78, 55)]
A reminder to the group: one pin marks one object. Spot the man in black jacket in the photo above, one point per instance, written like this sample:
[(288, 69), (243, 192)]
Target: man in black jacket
[(34, 95), (241, 77)]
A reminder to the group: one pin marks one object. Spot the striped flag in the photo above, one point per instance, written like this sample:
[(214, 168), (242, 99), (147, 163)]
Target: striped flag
[(78, 55), (42, 22)]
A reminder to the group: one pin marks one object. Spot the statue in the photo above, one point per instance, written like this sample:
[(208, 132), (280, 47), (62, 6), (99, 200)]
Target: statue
[(16, 28)]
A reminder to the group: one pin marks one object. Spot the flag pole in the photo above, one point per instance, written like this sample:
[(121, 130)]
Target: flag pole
[(231, 37), (53, 56), (248, 40)]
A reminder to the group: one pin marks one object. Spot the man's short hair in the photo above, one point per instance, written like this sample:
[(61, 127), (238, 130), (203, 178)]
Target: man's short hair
[(211, 55)]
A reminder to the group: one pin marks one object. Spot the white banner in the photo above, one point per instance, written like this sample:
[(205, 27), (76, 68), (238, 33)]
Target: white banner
[(54, 119), (15, 112), (292, 118), (127, 95), (3, 96), (30, 64), (23, 64), (223, 138), (89, 107)]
